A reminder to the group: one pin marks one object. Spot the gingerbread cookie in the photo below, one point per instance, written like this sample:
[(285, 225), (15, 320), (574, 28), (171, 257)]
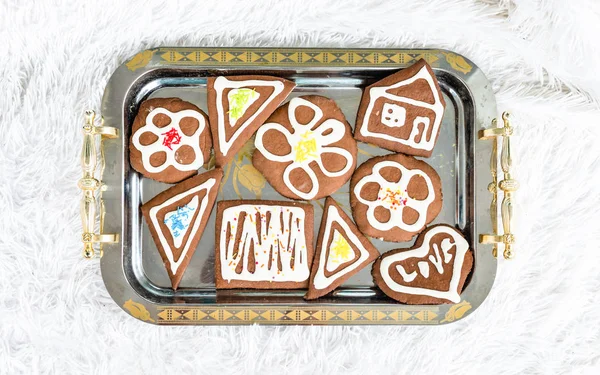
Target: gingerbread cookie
[(394, 197), (237, 106), (263, 244), (306, 150), (341, 251), (402, 112), (177, 218), (431, 272), (170, 140)]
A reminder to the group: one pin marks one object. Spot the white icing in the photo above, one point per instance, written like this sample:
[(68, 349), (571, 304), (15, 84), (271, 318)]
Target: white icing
[(254, 96), (157, 146), (438, 109), (335, 261), (393, 115), (222, 83), (461, 245), (407, 277), (288, 244), (333, 216), (423, 269), (177, 233), (395, 220), (207, 185), (301, 133)]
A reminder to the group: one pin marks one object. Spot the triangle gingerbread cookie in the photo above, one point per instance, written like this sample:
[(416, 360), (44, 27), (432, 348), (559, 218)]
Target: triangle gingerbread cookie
[(238, 106), (402, 112), (177, 218), (433, 271), (341, 251)]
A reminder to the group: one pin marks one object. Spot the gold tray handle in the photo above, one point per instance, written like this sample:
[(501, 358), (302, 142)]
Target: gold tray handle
[(92, 187), (508, 186)]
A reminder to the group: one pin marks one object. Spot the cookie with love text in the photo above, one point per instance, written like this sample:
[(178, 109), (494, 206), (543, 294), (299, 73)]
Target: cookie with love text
[(433, 271), (170, 140), (393, 197), (402, 112)]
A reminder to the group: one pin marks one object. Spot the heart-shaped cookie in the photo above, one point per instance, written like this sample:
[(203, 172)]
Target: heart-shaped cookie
[(433, 271)]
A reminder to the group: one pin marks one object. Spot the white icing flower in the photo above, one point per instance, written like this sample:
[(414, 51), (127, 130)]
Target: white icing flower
[(393, 197), (307, 146), (169, 139)]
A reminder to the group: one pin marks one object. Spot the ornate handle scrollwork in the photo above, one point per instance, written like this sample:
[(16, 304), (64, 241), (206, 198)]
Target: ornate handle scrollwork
[(508, 186), (92, 187)]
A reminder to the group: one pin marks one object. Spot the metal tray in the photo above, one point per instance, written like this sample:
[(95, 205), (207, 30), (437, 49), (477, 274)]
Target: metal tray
[(132, 269)]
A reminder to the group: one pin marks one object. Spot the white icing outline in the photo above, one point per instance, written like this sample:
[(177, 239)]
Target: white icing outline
[(293, 235), (338, 130), (330, 266), (220, 84), (437, 107), (208, 185), (321, 281), (395, 220), (193, 204), (157, 146), (462, 246)]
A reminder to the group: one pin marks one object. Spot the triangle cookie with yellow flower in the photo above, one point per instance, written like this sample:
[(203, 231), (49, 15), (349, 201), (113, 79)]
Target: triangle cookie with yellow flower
[(342, 250), (238, 106)]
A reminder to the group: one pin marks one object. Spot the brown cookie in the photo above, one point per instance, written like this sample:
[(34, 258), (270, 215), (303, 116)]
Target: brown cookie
[(177, 218), (170, 140), (402, 112), (306, 150), (393, 197), (237, 106), (431, 272), (341, 251), (263, 244)]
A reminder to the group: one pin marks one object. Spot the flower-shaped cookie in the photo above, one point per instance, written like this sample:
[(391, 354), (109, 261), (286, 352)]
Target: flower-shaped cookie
[(170, 140), (306, 150), (393, 197)]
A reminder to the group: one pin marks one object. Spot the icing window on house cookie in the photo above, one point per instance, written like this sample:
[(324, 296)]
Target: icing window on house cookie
[(240, 98), (307, 146), (431, 255), (340, 251), (393, 197), (177, 222), (169, 139), (394, 113), (272, 244)]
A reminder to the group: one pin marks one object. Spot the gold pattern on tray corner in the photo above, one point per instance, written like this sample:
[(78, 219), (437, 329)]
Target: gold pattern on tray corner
[(240, 56), (92, 186), (137, 310), (207, 315), (456, 312), (250, 178), (508, 186), (457, 62), (140, 60)]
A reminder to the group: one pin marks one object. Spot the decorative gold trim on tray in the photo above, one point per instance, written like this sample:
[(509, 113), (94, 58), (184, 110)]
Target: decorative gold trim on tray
[(508, 185), (328, 57), (289, 315), (92, 187)]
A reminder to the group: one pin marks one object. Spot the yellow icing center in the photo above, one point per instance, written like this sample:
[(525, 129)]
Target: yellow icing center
[(340, 250), (306, 148)]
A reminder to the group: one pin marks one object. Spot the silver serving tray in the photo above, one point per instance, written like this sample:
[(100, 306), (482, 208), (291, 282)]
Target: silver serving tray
[(133, 271)]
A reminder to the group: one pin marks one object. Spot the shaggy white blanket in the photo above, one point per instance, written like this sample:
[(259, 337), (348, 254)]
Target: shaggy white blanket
[(543, 314)]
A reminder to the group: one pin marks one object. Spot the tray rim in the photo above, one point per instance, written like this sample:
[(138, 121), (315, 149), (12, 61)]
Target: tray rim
[(313, 314)]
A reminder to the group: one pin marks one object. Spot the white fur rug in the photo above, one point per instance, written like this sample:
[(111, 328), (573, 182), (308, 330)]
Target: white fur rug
[(543, 315)]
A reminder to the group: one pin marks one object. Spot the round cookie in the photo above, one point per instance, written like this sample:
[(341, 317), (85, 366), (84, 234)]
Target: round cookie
[(393, 197), (433, 271), (170, 140), (306, 149)]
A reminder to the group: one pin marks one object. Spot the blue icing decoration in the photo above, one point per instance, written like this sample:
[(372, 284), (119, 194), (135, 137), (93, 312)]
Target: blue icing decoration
[(178, 221)]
